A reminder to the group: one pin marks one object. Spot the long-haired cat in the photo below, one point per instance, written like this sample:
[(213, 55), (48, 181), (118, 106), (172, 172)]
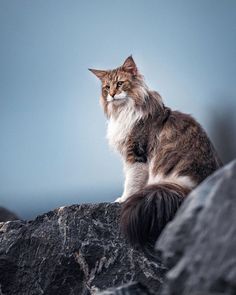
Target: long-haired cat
[(165, 153)]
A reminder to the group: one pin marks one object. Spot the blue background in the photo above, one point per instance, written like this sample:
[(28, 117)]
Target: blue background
[(53, 150)]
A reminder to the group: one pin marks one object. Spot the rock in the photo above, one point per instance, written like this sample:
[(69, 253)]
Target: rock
[(133, 288), (72, 250), (199, 245), (6, 215)]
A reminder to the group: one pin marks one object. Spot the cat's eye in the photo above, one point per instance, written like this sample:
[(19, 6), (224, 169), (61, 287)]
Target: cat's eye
[(107, 87), (119, 83)]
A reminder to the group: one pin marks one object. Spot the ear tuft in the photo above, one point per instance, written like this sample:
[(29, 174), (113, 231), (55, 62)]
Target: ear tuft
[(130, 66), (99, 73)]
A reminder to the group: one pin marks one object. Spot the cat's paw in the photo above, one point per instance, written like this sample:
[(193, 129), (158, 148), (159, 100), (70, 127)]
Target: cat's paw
[(121, 199), (118, 200)]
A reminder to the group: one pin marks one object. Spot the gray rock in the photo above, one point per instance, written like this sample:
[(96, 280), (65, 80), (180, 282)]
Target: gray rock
[(71, 250), (199, 245), (133, 288), (6, 215)]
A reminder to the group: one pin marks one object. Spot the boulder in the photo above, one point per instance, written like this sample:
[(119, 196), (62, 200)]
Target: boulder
[(132, 288), (72, 250), (199, 245), (79, 249)]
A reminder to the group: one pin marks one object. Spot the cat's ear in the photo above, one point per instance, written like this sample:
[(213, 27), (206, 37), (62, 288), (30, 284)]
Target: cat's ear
[(130, 66), (99, 73)]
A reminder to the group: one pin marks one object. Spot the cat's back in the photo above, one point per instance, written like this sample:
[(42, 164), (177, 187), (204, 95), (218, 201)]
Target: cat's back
[(183, 127), (184, 142)]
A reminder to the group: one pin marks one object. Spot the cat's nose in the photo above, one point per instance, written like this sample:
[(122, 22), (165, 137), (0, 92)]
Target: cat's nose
[(112, 93)]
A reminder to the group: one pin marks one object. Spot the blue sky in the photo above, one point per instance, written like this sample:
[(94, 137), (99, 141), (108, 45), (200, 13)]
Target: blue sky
[(53, 149)]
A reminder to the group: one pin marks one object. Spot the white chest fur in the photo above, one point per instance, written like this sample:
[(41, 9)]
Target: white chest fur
[(119, 128)]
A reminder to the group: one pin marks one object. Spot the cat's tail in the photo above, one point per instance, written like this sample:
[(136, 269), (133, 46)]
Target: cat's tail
[(145, 214)]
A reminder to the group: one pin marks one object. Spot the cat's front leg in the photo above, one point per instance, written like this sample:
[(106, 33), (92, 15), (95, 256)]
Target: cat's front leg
[(136, 176)]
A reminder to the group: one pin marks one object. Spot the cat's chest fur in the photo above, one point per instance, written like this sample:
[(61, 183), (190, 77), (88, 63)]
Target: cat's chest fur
[(120, 127)]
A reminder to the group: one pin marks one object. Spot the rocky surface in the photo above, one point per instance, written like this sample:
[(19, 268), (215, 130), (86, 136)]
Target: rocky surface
[(133, 288), (71, 250), (6, 215), (80, 250), (199, 246)]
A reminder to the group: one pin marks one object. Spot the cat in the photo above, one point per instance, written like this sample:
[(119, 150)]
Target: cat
[(165, 153)]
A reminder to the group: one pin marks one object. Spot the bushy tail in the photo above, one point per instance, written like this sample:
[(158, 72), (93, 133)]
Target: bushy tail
[(145, 214)]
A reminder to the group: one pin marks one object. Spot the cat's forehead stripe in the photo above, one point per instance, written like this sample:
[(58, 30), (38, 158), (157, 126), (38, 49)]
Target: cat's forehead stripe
[(115, 75)]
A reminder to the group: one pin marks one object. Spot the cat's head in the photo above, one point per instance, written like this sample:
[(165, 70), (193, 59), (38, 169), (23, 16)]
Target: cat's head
[(121, 86)]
